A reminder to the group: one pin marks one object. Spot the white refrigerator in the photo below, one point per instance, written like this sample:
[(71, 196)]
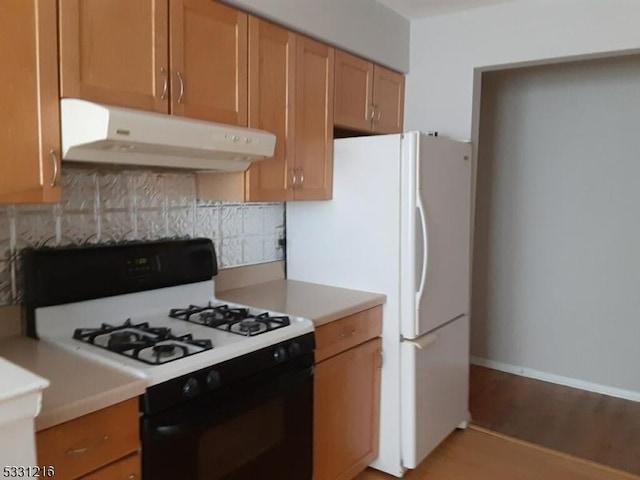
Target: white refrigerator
[(399, 224)]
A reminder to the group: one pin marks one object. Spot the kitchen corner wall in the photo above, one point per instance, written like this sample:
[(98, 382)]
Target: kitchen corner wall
[(101, 205)]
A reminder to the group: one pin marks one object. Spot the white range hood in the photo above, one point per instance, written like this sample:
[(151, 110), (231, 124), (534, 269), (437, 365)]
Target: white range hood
[(104, 134)]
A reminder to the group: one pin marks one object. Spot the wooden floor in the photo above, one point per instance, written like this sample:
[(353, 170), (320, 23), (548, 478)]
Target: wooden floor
[(482, 455), (596, 427)]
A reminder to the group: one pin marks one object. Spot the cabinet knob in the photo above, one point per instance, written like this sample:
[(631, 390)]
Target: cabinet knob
[(301, 178)]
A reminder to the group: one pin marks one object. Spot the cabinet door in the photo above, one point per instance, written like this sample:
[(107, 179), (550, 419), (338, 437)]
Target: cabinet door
[(313, 120), (208, 58), (29, 117), (353, 92), (388, 99), (271, 106), (115, 52), (346, 412)]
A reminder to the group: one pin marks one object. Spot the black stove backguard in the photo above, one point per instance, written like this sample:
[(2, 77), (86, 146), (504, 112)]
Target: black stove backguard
[(55, 276)]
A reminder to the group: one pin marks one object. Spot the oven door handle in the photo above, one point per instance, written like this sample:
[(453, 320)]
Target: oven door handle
[(180, 430), (197, 422)]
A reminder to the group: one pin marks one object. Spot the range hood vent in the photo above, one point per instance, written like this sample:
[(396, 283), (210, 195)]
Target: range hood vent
[(104, 134)]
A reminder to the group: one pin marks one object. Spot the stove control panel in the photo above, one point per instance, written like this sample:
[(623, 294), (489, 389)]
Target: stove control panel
[(215, 378), (142, 265)]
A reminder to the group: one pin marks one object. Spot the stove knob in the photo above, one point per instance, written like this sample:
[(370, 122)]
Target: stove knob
[(213, 379), (294, 349), (191, 388), (280, 354)]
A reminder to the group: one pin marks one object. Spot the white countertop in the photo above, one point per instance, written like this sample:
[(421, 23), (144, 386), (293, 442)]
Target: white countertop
[(319, 303), (78, 386), (16, 381)]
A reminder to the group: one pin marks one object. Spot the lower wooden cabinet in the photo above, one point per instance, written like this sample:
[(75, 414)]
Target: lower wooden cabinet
[(347, 397), (86, 444), (125, 469)]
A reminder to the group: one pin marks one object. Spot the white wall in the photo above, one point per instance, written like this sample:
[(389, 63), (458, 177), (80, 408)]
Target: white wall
[(556, 284), (363, 27), (445, 50)]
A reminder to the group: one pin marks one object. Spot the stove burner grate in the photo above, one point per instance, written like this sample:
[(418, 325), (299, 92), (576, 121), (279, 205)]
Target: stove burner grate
[(209, 316), (152, 345), (229, 319)]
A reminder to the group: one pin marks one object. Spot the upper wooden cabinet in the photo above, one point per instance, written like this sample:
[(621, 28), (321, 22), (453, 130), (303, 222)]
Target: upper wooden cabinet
[(388, 100), (353, 99), (313, 170), (115, 52), (291, 95), (186, 57), (271, 108), (208, 58), (368, 97), (29, 118)]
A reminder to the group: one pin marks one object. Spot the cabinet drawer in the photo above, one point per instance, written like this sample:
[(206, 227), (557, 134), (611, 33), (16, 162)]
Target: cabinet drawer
[(125, 469), (87, 443), (338, 336)]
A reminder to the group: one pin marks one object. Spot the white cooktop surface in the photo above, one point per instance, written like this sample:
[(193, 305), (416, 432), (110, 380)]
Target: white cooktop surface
[(57, 324)]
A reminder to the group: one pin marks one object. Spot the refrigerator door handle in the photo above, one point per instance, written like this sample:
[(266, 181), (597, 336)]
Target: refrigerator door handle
[(425, 244), (423, 341)]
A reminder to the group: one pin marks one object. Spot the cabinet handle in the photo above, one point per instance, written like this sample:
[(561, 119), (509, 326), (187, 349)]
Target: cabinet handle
[(378, 114), (181, 95), (79, 451), (54, 159), (292, 185), (301, 178), (348, 334), (165, 83), (373, 112)]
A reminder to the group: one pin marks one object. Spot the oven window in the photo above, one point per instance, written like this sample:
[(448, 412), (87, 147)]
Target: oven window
[(255, 431)]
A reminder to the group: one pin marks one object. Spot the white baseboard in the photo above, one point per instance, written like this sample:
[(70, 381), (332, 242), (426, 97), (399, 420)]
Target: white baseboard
[(558, 379)]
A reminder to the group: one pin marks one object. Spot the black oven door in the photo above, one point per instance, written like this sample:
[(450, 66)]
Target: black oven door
[(260, 428)]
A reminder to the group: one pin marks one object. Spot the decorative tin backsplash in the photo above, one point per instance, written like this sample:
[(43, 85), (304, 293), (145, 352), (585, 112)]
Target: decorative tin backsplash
[(115, 205)]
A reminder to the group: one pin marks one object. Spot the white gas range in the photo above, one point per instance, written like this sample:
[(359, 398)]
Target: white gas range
[(211, 368)]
